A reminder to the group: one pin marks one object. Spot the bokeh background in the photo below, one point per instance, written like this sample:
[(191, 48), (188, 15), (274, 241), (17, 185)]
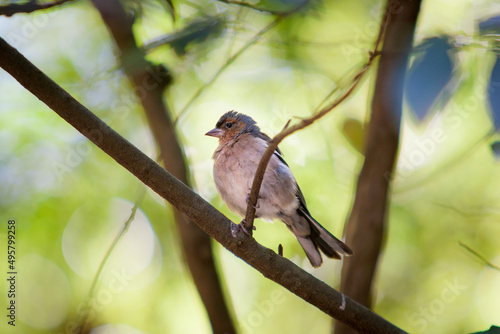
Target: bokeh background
[(69, 199)]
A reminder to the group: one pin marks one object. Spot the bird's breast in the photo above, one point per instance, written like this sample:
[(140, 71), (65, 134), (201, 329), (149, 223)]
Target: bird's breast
[(234, 170), (233, 175)]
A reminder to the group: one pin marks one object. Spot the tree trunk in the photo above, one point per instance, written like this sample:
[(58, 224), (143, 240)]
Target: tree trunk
[(366, 226)]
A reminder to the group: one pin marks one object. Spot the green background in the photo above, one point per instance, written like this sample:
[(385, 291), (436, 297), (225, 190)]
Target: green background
[(69, 199)]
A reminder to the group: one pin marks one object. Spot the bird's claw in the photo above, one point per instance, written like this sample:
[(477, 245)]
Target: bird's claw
[(256, 206), (235, 228)]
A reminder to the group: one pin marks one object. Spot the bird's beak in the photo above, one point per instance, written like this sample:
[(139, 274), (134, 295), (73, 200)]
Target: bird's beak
[(214, 133)]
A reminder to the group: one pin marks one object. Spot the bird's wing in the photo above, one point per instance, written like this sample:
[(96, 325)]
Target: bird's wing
[(319, 237), (298, 193), (302, 200)]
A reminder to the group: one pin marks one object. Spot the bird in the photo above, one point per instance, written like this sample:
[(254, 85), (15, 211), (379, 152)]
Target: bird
[(241, 146)]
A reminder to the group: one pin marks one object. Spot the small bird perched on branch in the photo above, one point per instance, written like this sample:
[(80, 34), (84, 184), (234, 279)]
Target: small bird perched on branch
[(241, 146)]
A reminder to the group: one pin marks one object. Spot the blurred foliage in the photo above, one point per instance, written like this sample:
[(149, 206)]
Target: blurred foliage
[(69, 199), (491, 330), (494, 92), (428, 75), (354, 132), (196, 31), (490, 26)]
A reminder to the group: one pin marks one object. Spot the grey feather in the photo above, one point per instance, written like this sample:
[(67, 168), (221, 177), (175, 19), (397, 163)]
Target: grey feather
[(311, 251), (328, 243)]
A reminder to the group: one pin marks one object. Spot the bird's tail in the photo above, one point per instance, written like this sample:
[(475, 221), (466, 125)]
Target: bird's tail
[(322, 239)]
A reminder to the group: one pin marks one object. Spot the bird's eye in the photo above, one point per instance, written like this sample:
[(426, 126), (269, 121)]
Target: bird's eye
[(229, 125)]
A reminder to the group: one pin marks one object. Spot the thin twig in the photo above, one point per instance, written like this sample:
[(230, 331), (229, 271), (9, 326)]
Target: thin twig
[(119, 236), (231, 60), (348, 78), (232, 39), (273, 145), (383, 26), (225, 66), (29, 7), (482, 258), (210, 23), (251, 6)]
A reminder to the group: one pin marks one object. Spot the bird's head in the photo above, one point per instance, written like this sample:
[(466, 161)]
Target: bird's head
[(233, 124)]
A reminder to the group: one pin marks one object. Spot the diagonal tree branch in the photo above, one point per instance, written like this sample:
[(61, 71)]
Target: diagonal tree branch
[(149, 82), (214, 223), (288, 130), (273, 145), (366, 226), (29, 7)]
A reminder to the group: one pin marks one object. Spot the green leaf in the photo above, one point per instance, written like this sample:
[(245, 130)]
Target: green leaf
[(354, 132), (492, 330)]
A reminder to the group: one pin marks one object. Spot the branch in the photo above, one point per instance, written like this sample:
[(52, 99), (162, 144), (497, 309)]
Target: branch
[(482, 258), (251, 6), (273, 145), (214, 223), (29, 7), (84, 317), (366, 225), (150, 82)]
